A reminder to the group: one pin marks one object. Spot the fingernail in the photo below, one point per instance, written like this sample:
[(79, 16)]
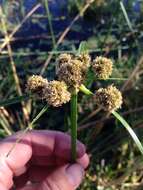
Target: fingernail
[(75, 174)]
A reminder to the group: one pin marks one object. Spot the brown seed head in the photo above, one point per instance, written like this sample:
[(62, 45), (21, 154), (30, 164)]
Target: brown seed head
[(64, 57), (86, 59), (36, 83), (72, 69), (102, 67), (72, 73), (62, 60), (109, 98), (56, 94)]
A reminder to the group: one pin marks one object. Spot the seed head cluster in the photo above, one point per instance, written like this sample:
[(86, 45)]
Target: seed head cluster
[(56, 94), (72, 69), (85, 59), (64, 58), (36, 83), (109, 98), (102, 67)]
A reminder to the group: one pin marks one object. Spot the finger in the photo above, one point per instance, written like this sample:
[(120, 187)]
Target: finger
[(84, 161), (36, 143), (2, 187), (7, 163), (65, 177), (21, 181), (5, 174), (16, 155), (60, 146), (36, 173), (29, 187), (39, 173)]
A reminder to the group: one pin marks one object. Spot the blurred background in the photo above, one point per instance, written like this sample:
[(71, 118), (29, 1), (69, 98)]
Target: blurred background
[(33, 33)]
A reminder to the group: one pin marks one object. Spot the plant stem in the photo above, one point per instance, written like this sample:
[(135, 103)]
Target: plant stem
[(126, 17), (50, 23), (121, 119), (38, 116), (73, 125), (85, 90)]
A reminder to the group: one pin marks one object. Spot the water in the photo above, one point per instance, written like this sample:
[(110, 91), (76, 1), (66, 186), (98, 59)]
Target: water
[(82, 29)]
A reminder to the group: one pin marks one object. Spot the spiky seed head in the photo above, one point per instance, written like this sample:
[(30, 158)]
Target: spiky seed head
[(64, 57), (56, 93), (72, 73), (36, 83), (109, 98), (62, 60), (102, 67), (86, 59)]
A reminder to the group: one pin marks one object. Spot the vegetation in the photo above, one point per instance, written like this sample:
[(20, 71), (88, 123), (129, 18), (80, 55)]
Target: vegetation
[(111, 30)]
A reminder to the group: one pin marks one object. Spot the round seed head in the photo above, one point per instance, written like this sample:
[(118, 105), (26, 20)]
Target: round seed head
[(102, 67), (109, 98), (56, 93), (64, 57), (86, 59), (72, 73), (36, 83), (62, 60)]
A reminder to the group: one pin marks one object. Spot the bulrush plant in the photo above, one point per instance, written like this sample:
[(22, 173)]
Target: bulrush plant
[(72, 72)]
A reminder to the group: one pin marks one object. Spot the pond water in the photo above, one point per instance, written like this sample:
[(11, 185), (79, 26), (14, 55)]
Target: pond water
[(38, 25)]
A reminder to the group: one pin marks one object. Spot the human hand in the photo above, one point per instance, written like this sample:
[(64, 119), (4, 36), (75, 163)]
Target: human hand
[(41, 161)]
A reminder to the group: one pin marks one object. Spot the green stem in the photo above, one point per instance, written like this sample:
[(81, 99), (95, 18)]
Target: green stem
[(73, 125), (121, 119), (38, 116), (126, 16), (85, 90), (50, 23)]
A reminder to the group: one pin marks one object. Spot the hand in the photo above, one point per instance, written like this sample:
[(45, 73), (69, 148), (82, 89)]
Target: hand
[(41, 161)]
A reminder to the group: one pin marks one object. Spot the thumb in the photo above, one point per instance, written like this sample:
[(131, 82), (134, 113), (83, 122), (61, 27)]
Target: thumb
[(66, 177)]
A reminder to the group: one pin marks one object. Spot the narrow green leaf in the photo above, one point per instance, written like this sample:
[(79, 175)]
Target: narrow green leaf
[(117, 79), (14, 100), (130, 130), (39, 115), (126, 16), (82, 47)]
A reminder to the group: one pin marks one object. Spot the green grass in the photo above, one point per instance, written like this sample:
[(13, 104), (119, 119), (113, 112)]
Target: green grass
[(116, 163)]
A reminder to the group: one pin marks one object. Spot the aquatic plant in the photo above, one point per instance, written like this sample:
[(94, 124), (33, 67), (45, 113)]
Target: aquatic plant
[(72, 72)]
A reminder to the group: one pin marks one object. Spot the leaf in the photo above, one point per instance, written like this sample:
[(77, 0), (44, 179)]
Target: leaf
[(130, 130), (13, 100), (82, 47)]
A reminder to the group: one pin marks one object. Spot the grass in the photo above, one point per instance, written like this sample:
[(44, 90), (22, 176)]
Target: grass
[(115, 161)]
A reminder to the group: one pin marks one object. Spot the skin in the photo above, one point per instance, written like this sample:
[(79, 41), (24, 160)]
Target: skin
[(41, 161)]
